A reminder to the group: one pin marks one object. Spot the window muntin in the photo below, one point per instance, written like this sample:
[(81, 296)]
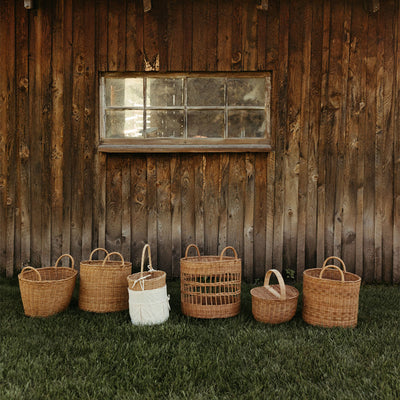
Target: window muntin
[(211, 113)]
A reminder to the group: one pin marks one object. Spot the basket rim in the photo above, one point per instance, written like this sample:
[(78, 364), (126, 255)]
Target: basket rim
[(276, 299), (307, 274), (74, 273)]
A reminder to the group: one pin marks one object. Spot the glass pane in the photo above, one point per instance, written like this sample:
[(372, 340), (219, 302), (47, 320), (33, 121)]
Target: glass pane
[(246, 92), (122, 92), (206, 124), (246, 124), (164, 92), (161, 123), (205, 92), (124, 124)]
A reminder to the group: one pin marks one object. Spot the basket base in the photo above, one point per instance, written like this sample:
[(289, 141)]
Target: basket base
[(210, 311)]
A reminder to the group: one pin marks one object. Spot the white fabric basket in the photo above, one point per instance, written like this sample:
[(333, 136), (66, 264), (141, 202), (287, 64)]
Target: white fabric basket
[(149, 307)]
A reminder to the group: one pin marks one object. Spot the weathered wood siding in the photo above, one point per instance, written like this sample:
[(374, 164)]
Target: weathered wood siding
[(330, 187)]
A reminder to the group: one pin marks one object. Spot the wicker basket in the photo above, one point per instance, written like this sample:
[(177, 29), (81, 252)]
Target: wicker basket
[(330, 296), (211, 285), (274, 304), (148, 298), (151, 279), (47, 291), (103, 285)]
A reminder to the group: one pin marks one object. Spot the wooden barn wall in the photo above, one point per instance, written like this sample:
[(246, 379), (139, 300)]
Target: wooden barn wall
[(330, 187)]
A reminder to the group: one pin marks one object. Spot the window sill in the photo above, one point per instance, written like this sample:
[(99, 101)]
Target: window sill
[(184, 146)]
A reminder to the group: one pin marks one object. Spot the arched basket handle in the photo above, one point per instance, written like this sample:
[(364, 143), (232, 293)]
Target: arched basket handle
[(335, 258), (334, 267), (226, 248), (65, 255), (189, 247), (94, 251), (111, 254), (32, 269), (282, 286), (146, 247)]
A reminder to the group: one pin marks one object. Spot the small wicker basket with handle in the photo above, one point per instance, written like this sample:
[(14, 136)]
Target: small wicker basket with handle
[(330, 296), (103, 285), (274, 304), (47, 291)]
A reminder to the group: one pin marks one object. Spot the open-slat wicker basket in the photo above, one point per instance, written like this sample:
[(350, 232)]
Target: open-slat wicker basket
[(210, 285), (47, 291), (330, 296), (103, 285), (274, 304)]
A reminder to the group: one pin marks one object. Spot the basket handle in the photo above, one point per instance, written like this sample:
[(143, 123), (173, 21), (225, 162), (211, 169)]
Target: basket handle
[(332, 266), (335, 258), (146, 247), (226, 248), (282, 287), (33, 269), (94, 251), (110, 254), (188, 248), (65, 255)]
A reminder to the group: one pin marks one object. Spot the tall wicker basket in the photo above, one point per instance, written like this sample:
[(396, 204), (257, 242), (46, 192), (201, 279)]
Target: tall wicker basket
[(330, 296), (103, 285), (47, 291), (211, 285), (274, 304), (148, 297)]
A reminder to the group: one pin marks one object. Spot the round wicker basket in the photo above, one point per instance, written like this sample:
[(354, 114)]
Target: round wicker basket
[(330, 296), (47, 291), (274, 304)]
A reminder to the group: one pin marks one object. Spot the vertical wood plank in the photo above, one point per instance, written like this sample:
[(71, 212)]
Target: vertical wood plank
[(211, 204), (175, 35), (199, 190), (313, 152), (261, 204), (138, 208), (134, 40), (223, 193), (280, 97), (164, 228), (224, 32), (188, 35), (237, 182), (176, 214), (113, 204), (237, 56), (249, 38), (324, 129), (116, 51), (249, 196), (369, 153), (126, 238), (101, 34), (188, 197), (57, 131), (23, 225), (151, 44), (152, 230)]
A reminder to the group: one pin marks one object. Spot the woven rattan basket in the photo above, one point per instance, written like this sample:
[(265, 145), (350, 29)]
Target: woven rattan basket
[(151, 279), (211, 285), (330, 296), (103, 285), (47, 291), (274, 304)]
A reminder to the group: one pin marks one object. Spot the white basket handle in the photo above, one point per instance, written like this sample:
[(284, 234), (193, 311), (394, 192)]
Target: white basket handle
[(150, 266)]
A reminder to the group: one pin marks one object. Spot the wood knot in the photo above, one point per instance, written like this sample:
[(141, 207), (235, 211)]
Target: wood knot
[(24, 84), (236, 57), (24, 152)]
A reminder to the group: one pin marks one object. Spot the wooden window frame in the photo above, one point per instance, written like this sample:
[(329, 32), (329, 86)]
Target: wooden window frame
[(184, 145)]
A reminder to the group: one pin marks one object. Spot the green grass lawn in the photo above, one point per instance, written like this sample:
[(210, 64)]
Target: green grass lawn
[(81, 355)]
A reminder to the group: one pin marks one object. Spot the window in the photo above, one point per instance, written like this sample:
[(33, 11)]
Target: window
[(179, 113)]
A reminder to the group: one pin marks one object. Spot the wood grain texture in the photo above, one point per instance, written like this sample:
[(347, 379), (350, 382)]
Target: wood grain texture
[(330, 185)]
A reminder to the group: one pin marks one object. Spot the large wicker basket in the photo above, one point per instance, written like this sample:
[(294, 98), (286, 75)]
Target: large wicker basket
[(47, 291), (103, 285), (330, 296), (274, 304), (211, 285)]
